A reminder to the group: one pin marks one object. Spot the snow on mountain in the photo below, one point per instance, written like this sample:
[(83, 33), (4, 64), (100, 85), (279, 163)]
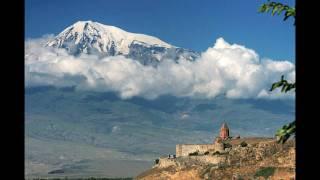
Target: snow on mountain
[(103, 38), (96, 38)]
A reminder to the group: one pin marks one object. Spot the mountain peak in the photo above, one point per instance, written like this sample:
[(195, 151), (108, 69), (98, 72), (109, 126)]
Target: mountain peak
[(104, 40), (89, 35), (82, 24)]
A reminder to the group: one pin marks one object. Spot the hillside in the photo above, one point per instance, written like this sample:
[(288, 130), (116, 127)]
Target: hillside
[(78, 131), (259, 159)]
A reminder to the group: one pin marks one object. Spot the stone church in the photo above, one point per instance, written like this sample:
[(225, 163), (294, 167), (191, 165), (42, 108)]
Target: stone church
[(224, 131), (186, 149)]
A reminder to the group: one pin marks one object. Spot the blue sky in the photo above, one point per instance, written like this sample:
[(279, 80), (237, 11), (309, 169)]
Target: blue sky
[(190, 24)]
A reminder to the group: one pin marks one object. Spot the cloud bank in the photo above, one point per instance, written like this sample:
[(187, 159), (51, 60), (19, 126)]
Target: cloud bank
[(224, 69)]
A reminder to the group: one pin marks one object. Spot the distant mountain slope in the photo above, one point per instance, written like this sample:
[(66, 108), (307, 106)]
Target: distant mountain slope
[(92, 126), (96, 38)]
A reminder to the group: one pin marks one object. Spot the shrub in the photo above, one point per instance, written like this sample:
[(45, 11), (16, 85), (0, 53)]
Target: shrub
[(156, 161), (206, 153), (265, 172), (206, 171), (194, 153), (216, 153), (243, 144), (222, 165), (227, 145)]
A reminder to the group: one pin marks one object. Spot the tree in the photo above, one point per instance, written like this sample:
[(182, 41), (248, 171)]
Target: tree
[(284, 133), (278, 8), (286, 86)]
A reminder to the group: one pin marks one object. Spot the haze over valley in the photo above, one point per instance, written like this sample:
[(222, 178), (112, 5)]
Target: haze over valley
[(102, 101)]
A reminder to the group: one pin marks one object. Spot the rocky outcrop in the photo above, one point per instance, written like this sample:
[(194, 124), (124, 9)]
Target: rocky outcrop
[(260, 160)]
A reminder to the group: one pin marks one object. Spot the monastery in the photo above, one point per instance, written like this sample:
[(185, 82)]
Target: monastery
[(186, 149)]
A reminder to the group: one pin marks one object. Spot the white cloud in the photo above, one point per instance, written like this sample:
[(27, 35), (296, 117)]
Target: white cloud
[(229, 69)]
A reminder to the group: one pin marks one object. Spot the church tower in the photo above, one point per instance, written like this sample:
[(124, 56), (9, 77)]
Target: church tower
[(224, 131)]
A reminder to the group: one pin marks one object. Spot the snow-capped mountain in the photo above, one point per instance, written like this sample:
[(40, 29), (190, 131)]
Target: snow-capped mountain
[(96, 38)]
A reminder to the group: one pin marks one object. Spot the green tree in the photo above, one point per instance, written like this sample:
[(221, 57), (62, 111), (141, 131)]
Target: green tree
[(278, 8), (284, 133)]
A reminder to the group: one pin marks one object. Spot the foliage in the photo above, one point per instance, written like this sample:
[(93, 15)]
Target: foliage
[(265, 172), (194, 153), (278, 8), (156, 161), (206, 171), (206, 153), (284, 133), (243, 144), (216, 153), (227, 145), (286, 86)]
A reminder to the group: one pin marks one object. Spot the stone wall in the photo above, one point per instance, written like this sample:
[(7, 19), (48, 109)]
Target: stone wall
[(185, 149), (185, 161), (210, 159), (165, 162)]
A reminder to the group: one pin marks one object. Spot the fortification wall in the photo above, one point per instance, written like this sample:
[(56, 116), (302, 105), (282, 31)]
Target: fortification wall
[(191, 160), (185, 149), (210, 159), (165, 162)]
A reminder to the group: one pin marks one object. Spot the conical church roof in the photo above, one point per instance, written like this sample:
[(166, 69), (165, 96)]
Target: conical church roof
[(224, 125)]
